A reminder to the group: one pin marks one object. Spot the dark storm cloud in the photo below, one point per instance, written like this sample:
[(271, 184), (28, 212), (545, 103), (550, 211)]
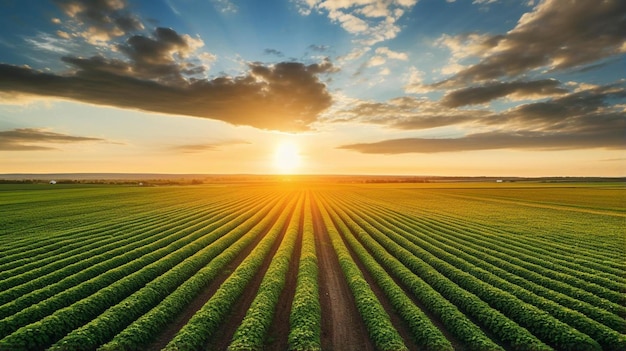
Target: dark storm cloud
[(519, 89), (591, 118), (557, 34), (286, 96), (27, 139)]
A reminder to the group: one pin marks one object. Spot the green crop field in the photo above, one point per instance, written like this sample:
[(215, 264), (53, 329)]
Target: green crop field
[(313, 266)]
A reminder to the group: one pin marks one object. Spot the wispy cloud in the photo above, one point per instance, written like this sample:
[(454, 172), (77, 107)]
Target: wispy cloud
[(273, 52), (212, 146), (29, 139), (496, 140), (371, 21)]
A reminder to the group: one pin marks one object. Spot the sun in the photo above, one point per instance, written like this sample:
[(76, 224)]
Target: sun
[(287, 157)]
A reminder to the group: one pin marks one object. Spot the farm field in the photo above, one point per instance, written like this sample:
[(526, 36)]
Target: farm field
[(313, 266)]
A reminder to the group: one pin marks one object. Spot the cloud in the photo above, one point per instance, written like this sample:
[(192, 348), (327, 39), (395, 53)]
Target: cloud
[(551, 36), (518, 89), (225, 6), (408, 113), (319, 48), (215, 146), (102, 20), (372, 21), (494, 141), (161, 57), (383, 54), (286, 96), (273, 52), (29, 139), (588, 118)]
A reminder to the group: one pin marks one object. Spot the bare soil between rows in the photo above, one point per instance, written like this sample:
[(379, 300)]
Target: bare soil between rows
[(342, 325)]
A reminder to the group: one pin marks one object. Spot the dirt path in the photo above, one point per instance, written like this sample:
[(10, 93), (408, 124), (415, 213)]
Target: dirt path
[(342, 326), (396, 320), (168, 334)]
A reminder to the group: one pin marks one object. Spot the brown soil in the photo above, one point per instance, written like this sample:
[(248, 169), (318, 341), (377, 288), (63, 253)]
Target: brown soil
[(342, 326), (168, 334)]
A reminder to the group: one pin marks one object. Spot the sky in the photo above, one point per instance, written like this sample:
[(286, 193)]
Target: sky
[(395, 87)]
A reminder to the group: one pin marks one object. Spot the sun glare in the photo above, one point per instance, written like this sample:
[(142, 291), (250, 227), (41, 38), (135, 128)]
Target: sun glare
[(287, 158)]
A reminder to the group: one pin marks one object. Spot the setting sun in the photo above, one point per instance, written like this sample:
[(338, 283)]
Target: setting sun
[(287, 158)]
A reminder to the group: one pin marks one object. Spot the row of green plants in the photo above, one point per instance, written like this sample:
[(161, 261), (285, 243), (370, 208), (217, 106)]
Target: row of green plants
[(545, 265), (28, 247), (379, 327), (206, 321), (605, 336), (423, 331), (517, 263), (74, 287), (46, 328), (558, 256), (133, 238), (252, 332), (502, 248), (143, 330), (440, 304), (305, 325), (90, 238), (479, 256), (104, 327), (538, 322), (503, 328)]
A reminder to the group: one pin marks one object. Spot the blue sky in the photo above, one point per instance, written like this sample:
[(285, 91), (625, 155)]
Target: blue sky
[(482, 87)]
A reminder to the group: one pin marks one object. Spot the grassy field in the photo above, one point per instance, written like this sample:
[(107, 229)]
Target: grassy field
[(310, 266)]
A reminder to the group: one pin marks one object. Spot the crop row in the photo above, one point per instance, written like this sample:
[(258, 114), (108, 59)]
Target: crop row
[(122, 262), (482, 257), (305, 317), (540, 267), (563, 255), (103, 328), (118, 283), (252, 332), (382, 332), (437, 290), (536, 320), (423, 331), (206, 321), (605, 336), (143, 330), (45, 252), (134, 237)]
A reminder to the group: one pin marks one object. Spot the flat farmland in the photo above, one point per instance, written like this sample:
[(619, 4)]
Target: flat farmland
[(313, 266)]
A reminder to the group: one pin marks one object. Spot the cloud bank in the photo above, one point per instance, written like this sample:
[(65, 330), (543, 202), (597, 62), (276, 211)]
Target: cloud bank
[(583, 119), (162, 71)]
